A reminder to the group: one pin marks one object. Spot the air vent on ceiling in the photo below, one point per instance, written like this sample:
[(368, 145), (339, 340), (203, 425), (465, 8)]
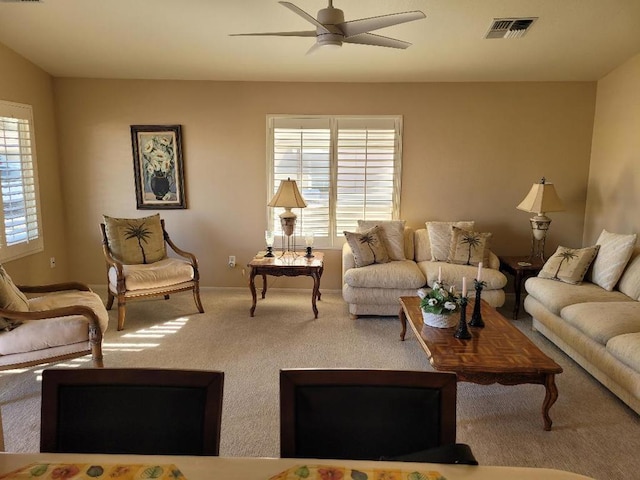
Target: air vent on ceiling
[(510, 27)]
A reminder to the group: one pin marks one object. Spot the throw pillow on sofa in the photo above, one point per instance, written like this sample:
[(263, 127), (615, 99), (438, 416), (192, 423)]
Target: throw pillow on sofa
[(469, 247), (613, 256), (11, 298), (391, 233), (569, 265), (367, 247), (440, 237)]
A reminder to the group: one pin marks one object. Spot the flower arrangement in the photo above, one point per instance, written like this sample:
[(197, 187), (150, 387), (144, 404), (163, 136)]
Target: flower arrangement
[(439, 300), (158, 155)]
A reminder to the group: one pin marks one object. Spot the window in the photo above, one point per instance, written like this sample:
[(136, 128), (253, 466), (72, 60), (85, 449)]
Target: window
[(347, 168), (20, 228)]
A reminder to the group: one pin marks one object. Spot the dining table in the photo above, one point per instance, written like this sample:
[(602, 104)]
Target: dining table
[(73, 466)]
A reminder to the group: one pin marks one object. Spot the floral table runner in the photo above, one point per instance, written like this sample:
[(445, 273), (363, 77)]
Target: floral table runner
[(326, 472), (88, 471)]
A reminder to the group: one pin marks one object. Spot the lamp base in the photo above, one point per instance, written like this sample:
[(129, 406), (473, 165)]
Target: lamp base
[(539, 228)]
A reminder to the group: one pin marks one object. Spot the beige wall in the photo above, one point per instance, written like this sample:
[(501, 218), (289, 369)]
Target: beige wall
[(614, 179), (471, 151), (22, 82)]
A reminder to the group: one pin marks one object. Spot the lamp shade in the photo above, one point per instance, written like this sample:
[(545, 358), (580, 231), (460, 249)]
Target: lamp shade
[(288, 196), (541, 198)]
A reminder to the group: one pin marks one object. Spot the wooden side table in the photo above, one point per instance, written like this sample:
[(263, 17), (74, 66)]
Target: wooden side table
[(521, 268), (290, 265)]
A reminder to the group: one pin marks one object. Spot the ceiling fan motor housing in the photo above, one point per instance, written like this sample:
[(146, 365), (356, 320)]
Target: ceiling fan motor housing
[(330, 17)]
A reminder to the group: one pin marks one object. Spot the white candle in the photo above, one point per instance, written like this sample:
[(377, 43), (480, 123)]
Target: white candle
[(439, 274), (479, 272), (464, 286)]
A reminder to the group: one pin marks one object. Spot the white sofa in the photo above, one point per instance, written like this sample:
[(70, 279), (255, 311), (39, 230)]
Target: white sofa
[(375, 289), (599, 329)]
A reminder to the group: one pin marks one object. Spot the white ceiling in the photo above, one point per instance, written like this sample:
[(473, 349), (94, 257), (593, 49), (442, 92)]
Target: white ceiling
[(189, 40)]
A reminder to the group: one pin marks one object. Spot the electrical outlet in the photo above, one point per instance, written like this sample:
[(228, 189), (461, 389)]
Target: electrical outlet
[(52, 262), (232, 261)]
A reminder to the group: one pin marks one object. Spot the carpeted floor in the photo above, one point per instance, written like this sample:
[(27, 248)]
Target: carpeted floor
[(593, 432)]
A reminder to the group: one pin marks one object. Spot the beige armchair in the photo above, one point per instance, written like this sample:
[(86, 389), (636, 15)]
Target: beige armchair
[(138, 265), (54, 322)]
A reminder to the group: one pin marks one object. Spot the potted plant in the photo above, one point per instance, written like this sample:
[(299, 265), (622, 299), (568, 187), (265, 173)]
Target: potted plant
[(438, 306)]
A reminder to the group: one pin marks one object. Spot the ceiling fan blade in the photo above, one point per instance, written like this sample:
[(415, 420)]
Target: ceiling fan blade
[(364, 25), (305, 15), (306, 33), (377, 40)]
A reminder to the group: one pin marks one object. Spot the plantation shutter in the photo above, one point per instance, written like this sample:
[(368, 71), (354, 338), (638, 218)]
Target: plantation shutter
[(347, 169), (368, 156), (21, 228)]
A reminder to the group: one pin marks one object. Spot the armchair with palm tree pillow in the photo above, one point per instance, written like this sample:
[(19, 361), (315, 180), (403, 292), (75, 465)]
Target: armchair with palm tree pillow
[(138, 265)]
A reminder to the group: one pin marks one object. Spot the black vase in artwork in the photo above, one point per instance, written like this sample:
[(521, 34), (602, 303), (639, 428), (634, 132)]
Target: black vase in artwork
[(159, 185)]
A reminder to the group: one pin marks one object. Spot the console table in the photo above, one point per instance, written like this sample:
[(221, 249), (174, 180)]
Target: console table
[(290, 265)]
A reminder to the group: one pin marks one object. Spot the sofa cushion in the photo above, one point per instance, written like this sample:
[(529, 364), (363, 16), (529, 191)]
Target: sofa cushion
[(440, 238), (170, 271), (557, 295), (54, 332), (602, 321), (629, 283), (469, 247), (452, 275), (136, 240), (367, 247), (392, 234), (613, 255), (394, 274), (422, 245), (11, 298), (569, 265), (626, 348)]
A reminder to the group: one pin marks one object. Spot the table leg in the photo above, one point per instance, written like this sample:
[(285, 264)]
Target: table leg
[(549, 399), (319, 277), (316, 292), (517, 283), (403, 321), (264, 285), (252, 287)]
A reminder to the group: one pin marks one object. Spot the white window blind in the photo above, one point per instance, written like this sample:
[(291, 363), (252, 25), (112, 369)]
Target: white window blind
[(21, 232), (347, 168)]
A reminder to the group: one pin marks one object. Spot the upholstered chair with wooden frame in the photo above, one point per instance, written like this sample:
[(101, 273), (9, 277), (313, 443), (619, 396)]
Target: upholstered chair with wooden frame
[(49, 323), (138, 265)]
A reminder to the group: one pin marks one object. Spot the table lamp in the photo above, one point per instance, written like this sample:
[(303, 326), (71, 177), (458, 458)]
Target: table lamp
[(541, 198), (288, 196)]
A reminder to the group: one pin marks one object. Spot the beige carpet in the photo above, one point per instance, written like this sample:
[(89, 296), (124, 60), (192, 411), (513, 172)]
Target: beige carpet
[(593, 432)]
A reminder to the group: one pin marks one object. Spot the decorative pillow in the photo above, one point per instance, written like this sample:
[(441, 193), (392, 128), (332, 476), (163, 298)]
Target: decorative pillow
[(136, 240), (391, 233), (11, 299), (367, 247), (469, 247), (613, 256), (569, 265), (440, 237)]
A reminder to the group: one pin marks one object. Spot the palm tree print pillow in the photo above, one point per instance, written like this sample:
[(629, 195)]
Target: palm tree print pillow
[(367, 247), (569, 265), (468, 247), (135, 241)]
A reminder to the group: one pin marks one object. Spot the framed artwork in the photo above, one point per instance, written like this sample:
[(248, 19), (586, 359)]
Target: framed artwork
[(157, 166)]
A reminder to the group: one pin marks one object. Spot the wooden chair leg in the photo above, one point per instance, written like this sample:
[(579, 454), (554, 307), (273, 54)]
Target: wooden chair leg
[(121, 312), (110, 299), (196, 297)]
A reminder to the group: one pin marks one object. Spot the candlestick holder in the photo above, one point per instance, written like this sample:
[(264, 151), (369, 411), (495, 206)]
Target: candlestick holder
[(269, 252), (462, 332), (476, 316), (309, 254)]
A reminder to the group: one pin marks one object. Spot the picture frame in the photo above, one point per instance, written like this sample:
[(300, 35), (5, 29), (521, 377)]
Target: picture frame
[(158, 166)]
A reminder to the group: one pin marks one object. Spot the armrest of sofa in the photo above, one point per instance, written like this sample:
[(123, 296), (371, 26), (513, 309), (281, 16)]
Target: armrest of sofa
[(494, 261), (348, 260)]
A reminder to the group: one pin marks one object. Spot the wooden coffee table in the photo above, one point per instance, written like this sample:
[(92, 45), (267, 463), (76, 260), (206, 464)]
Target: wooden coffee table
[(290, 265), (497, 353)]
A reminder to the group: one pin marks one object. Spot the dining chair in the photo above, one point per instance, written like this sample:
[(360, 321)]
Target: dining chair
[(131, 410), (370, 415)]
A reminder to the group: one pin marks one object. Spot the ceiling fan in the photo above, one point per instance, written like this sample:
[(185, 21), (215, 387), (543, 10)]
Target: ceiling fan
[(332, 30)]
